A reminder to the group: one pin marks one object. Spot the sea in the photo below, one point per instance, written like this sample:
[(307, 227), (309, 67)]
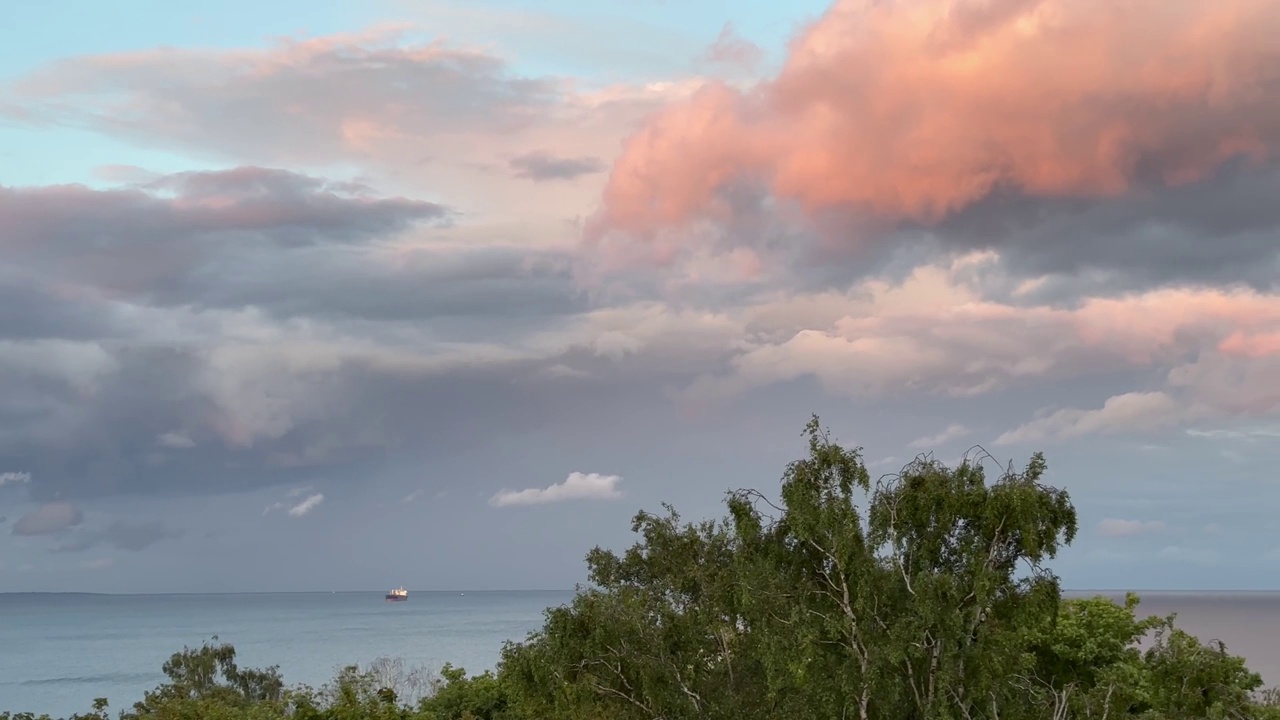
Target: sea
[(60, 651)]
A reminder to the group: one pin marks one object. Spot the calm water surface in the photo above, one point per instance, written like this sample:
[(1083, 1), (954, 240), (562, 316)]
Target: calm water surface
[(58, 652), (1248, 622)]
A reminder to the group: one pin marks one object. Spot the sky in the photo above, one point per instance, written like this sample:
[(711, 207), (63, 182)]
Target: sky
[(329, 296)]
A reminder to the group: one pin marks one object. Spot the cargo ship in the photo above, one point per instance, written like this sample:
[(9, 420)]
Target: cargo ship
[(397, 595)]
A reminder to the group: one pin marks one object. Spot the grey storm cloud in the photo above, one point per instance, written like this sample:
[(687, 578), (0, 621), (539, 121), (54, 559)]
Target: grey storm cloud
[(259, 332), (423, 283), (540, 166), (153, 239), (1223, 229), (121, 535), (289, 244), (351, 420), (48, 519), (32, 311)]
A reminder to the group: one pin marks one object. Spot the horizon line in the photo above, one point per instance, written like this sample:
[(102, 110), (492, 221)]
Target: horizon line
[(278, 592), (557, 590)]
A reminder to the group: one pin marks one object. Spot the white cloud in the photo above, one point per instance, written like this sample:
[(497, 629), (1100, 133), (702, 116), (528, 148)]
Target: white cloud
[(302, 508), (1245, 434), (954, 431), (14, 478), (177, 440), (411, 497), (578, 486), (560, 370), (1127, 412), (307, 505), (1116, 527)]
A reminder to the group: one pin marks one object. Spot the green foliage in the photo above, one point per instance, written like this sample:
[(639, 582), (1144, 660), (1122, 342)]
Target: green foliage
[(922, 596), (458, 697), (1195, 680), (206, 682)]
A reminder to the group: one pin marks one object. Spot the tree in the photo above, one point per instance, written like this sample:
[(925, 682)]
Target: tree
[(655, 637), (911, 608), (1086, 661), (208, 677), (459, 697), (1188, 679), (896, 600)]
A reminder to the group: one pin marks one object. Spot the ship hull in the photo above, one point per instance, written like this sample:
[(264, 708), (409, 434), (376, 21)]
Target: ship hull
[(392, 598)]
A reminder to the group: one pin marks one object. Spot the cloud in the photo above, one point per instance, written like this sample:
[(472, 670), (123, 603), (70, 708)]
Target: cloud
[(863, 136), (578, 486), (1005, 125), (14, 478), (1248, 434), (121, 535), (308, 504), (302, 507), (159, 242), (541, 166), (175, 440), (954, 431), (1133, 411), (48, 519), (269, 396), (937, 331), (1116, 527), (254, 327), (250, 304), (730, 48), (393, 101), (344, 91), (1214, 386)]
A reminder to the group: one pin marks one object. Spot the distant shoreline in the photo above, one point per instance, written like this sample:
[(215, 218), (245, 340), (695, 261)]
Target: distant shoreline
[(1065, 591), (279, 592)]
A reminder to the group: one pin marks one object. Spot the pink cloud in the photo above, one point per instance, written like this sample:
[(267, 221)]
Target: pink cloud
[(934, 335), (421, 112), (913, 110), (1251, 345)]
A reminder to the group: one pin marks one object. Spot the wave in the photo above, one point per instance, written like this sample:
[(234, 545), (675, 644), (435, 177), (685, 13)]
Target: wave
[(112, 678)]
